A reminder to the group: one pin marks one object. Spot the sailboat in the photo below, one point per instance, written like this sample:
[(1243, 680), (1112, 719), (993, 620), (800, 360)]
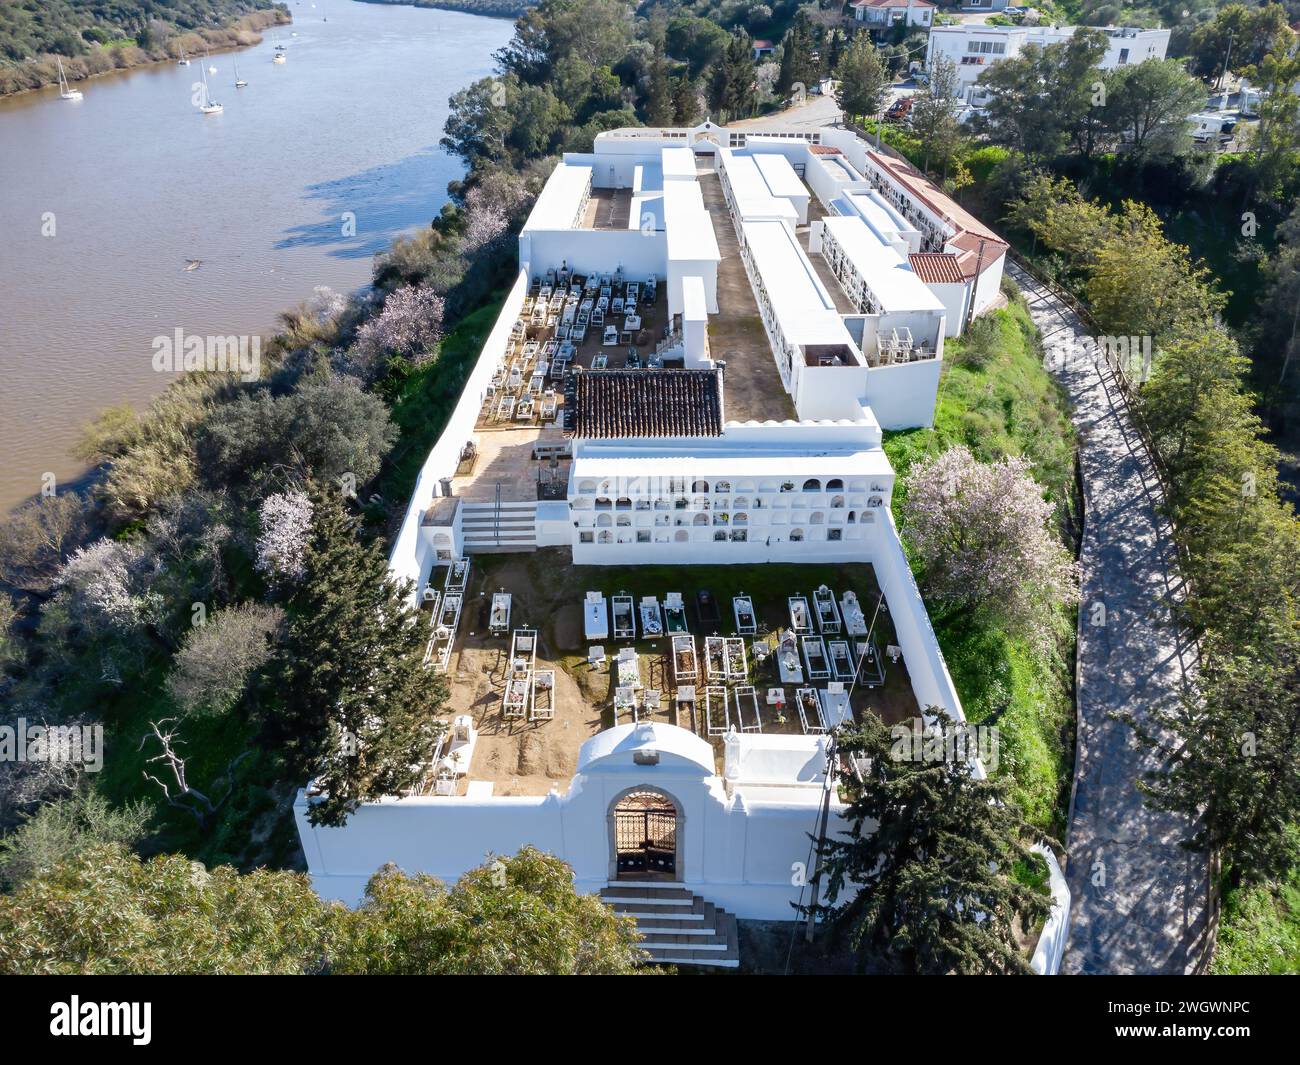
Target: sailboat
[(209, 105), (279, 51), (182, 61), (239, 82), (65, 92), (207, 58)]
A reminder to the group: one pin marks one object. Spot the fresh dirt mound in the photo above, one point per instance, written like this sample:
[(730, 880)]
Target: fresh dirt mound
[(568, 627)]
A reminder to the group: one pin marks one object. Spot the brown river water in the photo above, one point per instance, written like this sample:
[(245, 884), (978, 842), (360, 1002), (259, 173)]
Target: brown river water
[(107, 202)]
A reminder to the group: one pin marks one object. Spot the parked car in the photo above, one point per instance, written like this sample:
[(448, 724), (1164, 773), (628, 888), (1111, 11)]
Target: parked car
[(899, 109)]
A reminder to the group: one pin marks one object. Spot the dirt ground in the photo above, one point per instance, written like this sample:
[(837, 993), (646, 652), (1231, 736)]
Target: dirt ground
[(522, 757)]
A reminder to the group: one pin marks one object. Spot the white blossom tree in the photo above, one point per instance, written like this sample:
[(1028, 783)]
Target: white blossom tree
[(285, 520), (983, 535), (108, 586)]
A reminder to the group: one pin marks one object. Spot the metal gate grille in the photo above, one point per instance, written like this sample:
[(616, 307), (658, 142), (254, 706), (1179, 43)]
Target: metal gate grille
[(645, 834)]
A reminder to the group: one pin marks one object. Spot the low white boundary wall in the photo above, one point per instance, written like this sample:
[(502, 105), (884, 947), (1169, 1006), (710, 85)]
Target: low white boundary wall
[(410, 556)]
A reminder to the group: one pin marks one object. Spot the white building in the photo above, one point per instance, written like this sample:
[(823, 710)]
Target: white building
[(885, 14), (705, 448), (973, 49)]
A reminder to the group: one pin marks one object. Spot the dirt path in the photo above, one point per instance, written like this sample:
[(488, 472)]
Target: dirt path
[(1139, 899)]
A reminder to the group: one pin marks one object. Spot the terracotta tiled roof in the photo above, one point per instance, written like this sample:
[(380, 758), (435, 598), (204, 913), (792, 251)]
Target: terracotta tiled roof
[(643, 403), (824, 149), (936, 267), (969, 230)]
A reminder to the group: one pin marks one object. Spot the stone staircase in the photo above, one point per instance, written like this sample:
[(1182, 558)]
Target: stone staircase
[(488, 527), (678, 928)]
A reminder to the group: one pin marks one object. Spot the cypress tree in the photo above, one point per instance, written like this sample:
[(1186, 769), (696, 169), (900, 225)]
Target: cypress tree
[(929, 858), (356, 709), (659, 98)]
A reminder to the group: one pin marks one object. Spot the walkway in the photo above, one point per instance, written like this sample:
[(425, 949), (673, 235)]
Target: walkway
[(754, 391), (1139, 899)]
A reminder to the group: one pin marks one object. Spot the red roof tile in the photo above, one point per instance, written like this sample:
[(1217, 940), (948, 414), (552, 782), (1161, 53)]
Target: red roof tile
[(936, 267)]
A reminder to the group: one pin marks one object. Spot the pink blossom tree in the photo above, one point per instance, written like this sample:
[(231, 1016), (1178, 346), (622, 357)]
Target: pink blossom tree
[(983, 535), (409, 327)]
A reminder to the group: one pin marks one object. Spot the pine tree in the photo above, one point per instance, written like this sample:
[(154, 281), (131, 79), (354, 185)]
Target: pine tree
[(357, 709), (929, 857), (862, 78)]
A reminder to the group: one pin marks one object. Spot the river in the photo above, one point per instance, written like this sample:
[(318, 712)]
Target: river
[(106, 203)]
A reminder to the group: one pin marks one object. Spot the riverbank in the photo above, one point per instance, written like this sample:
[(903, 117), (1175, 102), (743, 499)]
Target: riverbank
[(163, 218), (511, 9), (42, 71)]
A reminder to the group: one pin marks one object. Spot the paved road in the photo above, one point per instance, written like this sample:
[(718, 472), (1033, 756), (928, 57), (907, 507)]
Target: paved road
[(1139, 898), (816, 112)]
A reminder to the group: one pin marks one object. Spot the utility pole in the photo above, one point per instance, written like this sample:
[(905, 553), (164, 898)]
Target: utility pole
[(821, 841), (974, 286)]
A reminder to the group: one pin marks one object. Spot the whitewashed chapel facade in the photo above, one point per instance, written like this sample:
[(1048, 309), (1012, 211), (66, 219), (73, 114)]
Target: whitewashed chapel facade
[(846, 270)]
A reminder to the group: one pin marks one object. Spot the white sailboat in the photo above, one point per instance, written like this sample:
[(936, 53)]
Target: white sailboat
[(182, 61), (279, 50), (209, 105), (65, 92), (239, 82)]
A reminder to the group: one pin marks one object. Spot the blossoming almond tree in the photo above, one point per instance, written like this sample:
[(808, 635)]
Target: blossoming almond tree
[(982, 533)]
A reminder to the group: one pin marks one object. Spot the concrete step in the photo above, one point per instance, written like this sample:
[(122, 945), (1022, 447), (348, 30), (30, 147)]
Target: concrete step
[(722, 951), (677, 926), (651, 893)]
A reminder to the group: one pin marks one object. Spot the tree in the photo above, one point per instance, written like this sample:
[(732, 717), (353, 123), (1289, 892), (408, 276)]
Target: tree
[(38, 537), (699, 41), (1046, 95), (934, 116), (1239, 36), (926, 872), (1147, 105), (659, 100), (732, 90), (798, 68), (1230, 763), (597, 32), (511, 916), (285, 521), (1276, 139), (409, 328), (862, 78), (214, 664), (105, 911), (686, 102), (1142, 284), (982, 533), (356, 707), (327, 427), (59, 831)]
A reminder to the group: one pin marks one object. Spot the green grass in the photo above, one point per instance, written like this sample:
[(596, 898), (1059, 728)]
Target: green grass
[(997, 399), (421, 401), (1260, 931)]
